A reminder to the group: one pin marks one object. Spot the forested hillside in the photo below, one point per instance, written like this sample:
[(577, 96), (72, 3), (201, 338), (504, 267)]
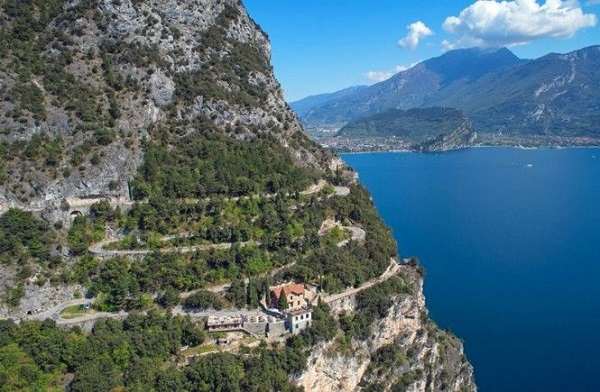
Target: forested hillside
[(154, 181), (413, 125)]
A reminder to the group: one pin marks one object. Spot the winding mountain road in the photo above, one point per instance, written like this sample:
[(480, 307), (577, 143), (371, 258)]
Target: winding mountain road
[(98, 248), (391, 270), (54, 313)]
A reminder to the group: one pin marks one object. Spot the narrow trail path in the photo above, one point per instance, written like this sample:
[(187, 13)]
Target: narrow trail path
[(54, 312), (357, 233), (91, 317), (98, 248), (222, 287), (392, 270)]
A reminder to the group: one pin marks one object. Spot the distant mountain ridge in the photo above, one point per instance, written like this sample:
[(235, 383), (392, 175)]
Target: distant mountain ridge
[(411, 88), (304, 105), (557, 95)]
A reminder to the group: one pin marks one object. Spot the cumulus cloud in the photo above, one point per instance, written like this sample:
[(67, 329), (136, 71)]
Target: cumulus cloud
[(416, 32), (515, 22), (380, 76)]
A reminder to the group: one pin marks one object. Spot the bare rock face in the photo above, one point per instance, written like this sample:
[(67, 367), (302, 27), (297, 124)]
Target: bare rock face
[(162, 89), (112, 71), (38, 295), (433, 359)]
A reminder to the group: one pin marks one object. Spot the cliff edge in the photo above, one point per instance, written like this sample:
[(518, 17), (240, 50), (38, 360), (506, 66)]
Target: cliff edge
[(152, 176)]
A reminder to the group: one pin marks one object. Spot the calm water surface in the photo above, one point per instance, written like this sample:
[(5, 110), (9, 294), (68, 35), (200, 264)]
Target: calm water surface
[(510, 240)]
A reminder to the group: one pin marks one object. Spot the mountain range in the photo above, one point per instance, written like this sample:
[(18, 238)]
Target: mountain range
[(555, 96), (304, 105)]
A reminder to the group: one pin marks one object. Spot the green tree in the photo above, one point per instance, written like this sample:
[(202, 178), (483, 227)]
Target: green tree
[(282, 302), (169, 298), (203, 300), (237, 293), (24, 236), (18, 372), (219, 372), (252, 296)]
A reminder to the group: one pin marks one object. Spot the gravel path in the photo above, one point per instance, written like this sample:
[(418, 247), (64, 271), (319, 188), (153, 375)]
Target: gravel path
[(98, 248), (392, 270)]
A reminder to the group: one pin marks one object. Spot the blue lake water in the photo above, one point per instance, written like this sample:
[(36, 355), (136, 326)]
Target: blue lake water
[(510, 240)]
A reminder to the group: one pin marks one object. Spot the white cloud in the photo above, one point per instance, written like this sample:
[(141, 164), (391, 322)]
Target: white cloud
[(447, 45), (416, 32), (380, 76), (516, 22)]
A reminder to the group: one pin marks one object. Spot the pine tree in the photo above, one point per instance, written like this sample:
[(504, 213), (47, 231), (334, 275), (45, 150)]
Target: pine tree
[(252, 294), (282, 304)]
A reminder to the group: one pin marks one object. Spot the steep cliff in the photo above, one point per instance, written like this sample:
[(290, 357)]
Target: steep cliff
[(150, 155), (405, 351), (83, 84)]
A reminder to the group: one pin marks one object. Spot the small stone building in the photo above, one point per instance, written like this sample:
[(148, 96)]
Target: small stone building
[(298, 313), (294, 294), (298, 320)]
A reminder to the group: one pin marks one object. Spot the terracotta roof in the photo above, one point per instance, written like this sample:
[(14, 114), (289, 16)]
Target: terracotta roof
[(292, 288)]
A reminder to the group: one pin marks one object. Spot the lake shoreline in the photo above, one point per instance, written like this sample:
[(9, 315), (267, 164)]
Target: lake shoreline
[(499, 147)]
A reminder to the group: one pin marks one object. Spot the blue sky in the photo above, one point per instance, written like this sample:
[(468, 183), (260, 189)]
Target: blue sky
[(326, 45)]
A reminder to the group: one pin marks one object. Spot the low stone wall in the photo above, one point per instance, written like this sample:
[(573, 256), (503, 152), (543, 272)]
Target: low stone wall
[(257, 329), (277, 329)]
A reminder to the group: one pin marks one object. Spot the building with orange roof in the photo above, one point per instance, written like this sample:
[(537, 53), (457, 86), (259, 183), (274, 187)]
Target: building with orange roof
[(294, 296)]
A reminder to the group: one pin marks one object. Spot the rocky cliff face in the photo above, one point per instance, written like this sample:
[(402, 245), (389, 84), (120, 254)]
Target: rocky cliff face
[(405, 351), (84, 83)]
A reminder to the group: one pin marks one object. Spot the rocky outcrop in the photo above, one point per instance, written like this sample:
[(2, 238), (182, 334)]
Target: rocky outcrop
[(462, 137), (39, 294), (430, 359), (111, 73)]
